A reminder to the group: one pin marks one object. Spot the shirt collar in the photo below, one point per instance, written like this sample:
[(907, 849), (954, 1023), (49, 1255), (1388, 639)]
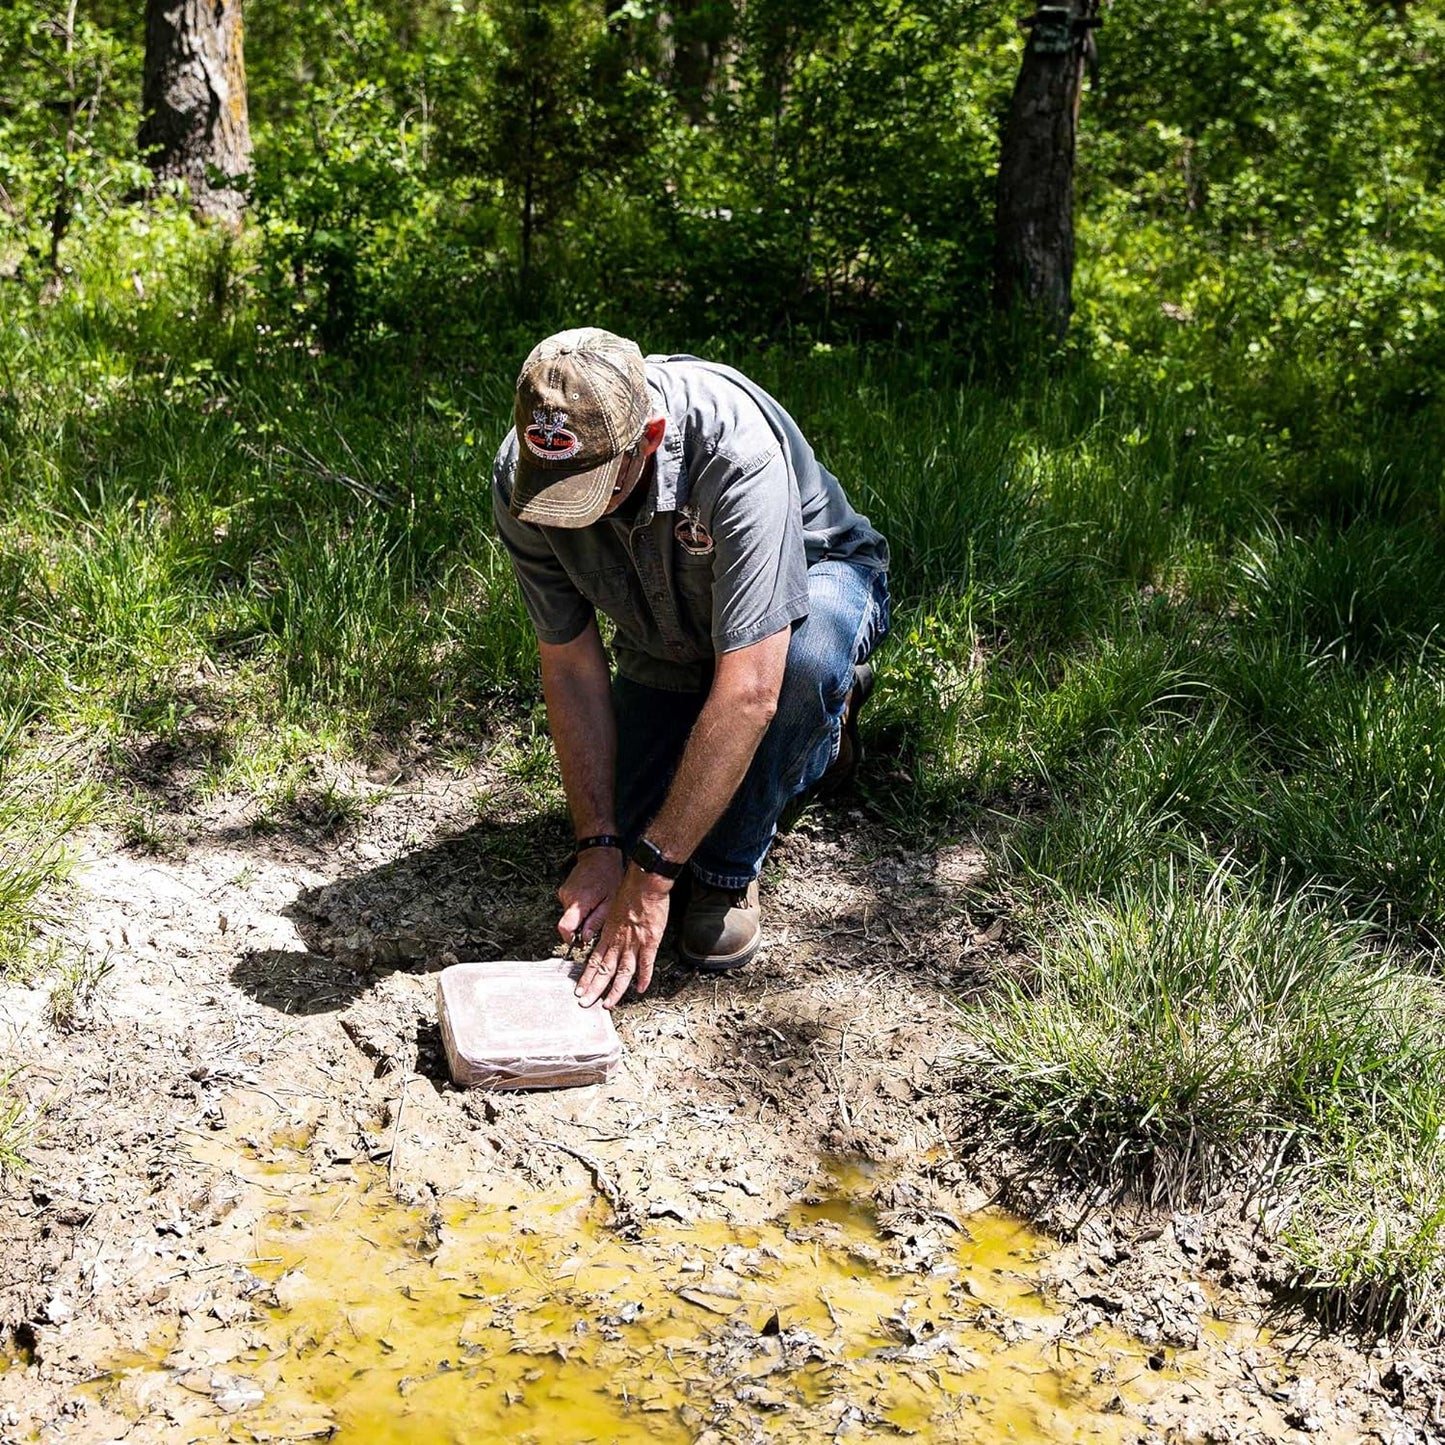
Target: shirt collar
[(667, 464)]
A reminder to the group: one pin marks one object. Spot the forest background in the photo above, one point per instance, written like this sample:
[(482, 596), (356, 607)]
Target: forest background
[(1168, 590)]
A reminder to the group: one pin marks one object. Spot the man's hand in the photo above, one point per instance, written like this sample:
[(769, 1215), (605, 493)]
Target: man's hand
[(587, 892), (628, 946)]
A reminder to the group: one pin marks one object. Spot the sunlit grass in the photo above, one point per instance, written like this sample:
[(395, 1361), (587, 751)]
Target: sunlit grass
[(1368, 1232), (37, 809), (1195, 1035), (1178, 1031), (17, 1126)]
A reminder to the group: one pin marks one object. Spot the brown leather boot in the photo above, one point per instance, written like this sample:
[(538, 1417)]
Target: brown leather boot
[(722, 928)]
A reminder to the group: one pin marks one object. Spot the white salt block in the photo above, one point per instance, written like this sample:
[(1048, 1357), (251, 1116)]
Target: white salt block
[(516, 1024)]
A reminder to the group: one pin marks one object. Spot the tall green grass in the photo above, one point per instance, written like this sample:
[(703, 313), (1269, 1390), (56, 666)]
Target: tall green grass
[(1177, 1033), (1368, 1232), (1191, 1035), (37, 810), (17, 1126)]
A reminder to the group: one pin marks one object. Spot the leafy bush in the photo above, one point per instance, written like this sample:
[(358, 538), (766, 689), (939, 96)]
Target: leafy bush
[(69, 108), (1262, 183)]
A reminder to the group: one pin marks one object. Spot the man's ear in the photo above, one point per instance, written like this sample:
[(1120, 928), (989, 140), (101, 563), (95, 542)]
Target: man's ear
[(652, 435)]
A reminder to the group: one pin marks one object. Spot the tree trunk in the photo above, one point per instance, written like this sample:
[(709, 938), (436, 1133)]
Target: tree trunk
[(194, 101), (63, 212), (698, 32), (1034, 220), (529, 184)]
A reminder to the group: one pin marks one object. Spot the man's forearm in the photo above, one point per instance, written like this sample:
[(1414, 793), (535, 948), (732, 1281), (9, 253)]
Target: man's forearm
[(720, 748), (577, 689), (713, 764)]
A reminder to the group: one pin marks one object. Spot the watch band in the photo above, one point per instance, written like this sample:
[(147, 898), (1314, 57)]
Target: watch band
[(598, 840), (650, 858)]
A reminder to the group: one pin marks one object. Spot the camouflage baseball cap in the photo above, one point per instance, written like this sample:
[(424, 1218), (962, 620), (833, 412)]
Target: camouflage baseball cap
[(582, 401)]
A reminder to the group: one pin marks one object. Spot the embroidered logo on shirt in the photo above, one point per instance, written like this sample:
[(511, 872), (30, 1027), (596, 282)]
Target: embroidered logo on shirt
[(548, 436), (692, 536)]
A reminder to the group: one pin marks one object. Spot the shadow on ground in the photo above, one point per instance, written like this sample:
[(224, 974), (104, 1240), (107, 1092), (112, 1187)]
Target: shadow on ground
[(484, 893), (838, 892)]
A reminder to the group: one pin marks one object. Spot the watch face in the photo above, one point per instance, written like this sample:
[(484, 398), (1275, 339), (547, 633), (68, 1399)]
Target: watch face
[(650, 858)]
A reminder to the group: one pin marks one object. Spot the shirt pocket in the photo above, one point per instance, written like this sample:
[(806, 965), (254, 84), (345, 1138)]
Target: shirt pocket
[(693, 579), (606, 589)]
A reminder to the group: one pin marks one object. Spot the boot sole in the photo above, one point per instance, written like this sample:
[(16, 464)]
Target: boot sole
[(725, 962)]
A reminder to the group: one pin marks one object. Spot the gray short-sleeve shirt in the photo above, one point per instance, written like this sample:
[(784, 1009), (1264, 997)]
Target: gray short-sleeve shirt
[(715, 555)]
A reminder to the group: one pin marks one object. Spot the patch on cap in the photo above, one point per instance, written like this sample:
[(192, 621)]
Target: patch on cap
[(548, 436)]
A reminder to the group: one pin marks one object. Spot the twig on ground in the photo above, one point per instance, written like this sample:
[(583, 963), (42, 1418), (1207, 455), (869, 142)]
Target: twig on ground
[(623, 1213), (396, 1133), (193, 1269)]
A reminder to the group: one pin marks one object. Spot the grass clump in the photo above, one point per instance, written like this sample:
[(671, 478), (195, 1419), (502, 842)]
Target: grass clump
[(1368, 1234), (36, 813), (30, 862), (73, 992), (1177, 1038), (1357, 796), (1176, 1033), (17, 1124)]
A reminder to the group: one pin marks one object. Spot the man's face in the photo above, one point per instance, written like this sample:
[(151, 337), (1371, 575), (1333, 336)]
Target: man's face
[(634, 467)]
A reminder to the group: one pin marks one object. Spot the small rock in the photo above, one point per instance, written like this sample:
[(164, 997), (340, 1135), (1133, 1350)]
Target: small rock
[(1189, 1234), (233, 1395), (289, 1289)]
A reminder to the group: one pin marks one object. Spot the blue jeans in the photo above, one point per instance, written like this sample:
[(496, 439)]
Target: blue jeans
[(847, 618)]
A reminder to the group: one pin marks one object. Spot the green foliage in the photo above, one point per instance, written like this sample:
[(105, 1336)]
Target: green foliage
[(73, 992), (69, 107), (470, 150), (1266, 178), (1357, 798), (557, 116), (344, 185), (1368, 1236), (1367, 592), (848, 183), (17, 1126), (35, 815)]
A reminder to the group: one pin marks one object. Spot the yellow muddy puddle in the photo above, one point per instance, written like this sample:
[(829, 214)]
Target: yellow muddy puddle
[(538, 1322)]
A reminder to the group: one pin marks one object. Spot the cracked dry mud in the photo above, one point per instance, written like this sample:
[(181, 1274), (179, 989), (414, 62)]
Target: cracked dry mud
[(256, 1210)]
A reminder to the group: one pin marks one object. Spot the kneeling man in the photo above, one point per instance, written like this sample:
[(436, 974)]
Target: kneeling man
[(679, 500)]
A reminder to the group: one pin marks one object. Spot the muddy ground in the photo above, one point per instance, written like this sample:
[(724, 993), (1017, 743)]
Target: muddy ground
[(270, 997)]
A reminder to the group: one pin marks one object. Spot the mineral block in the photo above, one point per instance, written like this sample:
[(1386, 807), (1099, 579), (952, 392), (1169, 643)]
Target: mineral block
[(516, 1024)]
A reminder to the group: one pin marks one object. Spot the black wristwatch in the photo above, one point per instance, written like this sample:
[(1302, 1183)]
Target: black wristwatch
[(650, 859)]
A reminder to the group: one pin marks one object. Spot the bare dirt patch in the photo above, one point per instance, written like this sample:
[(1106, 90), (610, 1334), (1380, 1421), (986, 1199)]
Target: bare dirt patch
[(267, 1033)]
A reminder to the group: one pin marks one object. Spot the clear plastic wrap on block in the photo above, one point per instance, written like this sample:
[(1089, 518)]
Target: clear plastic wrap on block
[(517, 1025)]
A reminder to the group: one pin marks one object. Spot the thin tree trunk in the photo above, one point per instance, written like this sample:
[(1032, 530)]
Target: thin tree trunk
[(1034, 221), (194, 100), (61, 215), (529, 184)]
